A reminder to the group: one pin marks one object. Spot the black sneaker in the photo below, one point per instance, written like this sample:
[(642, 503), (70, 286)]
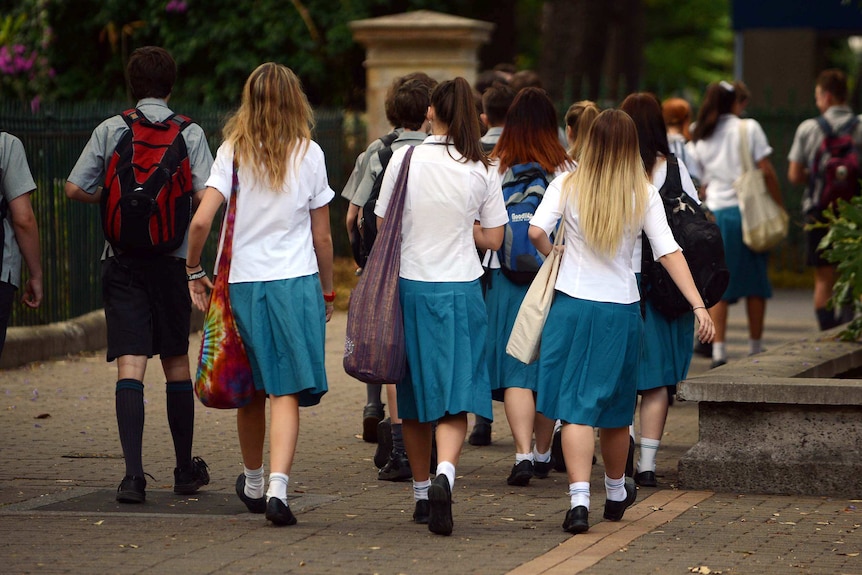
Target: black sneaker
[(132, 489), (521, 473), (396, 469), (188, 481)]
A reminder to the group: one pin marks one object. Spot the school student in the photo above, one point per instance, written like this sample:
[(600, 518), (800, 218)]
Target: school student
[(453, 205), (591, 341)]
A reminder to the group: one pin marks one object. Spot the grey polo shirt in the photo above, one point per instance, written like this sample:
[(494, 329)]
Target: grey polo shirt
[(90, 169), (15, 181), (374, 167)]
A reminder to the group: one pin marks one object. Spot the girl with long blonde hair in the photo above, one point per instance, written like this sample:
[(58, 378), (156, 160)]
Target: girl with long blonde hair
[(281, 271), (591, 341)]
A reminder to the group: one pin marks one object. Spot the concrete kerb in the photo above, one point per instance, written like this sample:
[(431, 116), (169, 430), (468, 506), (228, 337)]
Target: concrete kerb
[(45, 342)]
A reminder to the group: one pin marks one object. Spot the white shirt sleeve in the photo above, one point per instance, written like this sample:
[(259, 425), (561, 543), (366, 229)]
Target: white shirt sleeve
[(390, 176), (221, 173), (492, 210), (759, 145), (548, 213), (321, 193), (656, 228)]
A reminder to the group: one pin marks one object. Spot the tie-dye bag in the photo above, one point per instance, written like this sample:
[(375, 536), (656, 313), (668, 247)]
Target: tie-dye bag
[(223, 379)]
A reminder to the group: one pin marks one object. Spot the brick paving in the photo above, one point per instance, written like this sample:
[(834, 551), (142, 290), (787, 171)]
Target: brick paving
[(60, 463)]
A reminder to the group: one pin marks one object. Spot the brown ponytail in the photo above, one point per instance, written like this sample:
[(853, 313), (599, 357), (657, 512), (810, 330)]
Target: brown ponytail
[(455, 107)]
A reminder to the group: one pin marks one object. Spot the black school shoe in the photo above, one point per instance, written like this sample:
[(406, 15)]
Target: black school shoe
[(440, 506), (420, 514), (384, 443), (396, 469), (132, 489), (614, 510), (577, 520), (254, 505), (542, 470), (481, 434), (557, 452), (521, 473), (372, 415), (279, 513), (188, 481)]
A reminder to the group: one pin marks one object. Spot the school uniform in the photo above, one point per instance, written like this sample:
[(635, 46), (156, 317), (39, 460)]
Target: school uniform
[(592, 339), (719, 165), (274, 284), (445, 322), (667, 350)]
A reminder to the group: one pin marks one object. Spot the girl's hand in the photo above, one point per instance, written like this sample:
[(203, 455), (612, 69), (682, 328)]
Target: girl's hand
[(705, 328), (198, 289)]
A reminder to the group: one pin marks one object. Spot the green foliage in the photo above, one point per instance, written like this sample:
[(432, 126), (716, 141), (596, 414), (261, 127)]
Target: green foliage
[(843, 246), (25, 38), (687, 45)]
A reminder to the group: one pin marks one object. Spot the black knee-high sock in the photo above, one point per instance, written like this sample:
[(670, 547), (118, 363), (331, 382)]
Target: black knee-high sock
[(181, 419), (130, 422)]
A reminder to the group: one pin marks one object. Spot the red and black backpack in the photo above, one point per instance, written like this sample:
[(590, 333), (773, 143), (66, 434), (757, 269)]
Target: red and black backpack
[(147, 197)]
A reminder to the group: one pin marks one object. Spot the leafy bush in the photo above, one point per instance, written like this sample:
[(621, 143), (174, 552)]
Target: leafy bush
[(843, 247)]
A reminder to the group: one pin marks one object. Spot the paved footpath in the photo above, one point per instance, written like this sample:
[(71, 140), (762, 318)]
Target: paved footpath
[(60, 463)]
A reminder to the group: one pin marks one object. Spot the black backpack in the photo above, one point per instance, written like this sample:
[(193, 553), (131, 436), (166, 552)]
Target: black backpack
[(368, 219), (700, 240), (147, 197), (366, 222)]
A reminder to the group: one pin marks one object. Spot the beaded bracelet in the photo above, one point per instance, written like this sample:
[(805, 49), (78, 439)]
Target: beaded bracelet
[(698, 307), (196, 275)]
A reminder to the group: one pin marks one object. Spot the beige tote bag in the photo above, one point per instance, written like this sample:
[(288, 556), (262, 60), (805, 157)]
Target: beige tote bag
[(526, 333), (764, 223)]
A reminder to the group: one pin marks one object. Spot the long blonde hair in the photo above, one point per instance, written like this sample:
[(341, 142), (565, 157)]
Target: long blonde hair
[(273, 122), (610, 185)]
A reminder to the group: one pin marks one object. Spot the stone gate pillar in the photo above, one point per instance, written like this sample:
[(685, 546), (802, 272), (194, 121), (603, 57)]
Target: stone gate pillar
[(441, 45)]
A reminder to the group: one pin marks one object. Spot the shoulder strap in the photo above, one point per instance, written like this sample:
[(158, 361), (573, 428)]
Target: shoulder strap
[(849, 126), (388, 138), (744, 151), (673, 176), (825, 127), (131, 116)]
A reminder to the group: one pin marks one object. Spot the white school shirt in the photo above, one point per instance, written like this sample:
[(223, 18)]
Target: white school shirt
[(718, 163), (444, 197), (272, 230), (588, 275), (658, 178)]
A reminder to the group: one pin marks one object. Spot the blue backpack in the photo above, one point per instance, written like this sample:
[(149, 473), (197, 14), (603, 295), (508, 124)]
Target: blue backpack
[(519, 260)]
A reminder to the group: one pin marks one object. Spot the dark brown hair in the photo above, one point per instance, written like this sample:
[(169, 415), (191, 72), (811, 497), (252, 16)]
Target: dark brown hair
[(496, 102), (719, 99), (645, 110), (455, 107), (152, 72), (834, 81), (411, 103)]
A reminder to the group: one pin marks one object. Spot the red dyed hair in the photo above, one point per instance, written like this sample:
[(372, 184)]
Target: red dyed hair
[(531, 133)]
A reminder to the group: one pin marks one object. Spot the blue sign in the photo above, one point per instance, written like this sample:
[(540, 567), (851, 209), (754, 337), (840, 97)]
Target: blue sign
[(837, 15)]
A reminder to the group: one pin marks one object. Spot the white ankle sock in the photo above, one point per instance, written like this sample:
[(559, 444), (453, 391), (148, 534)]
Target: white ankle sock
[(541, 457), (420, 489), (447, 469), (755, 346), (277, 487), (615, 488), (718, 351), (519, 457), (254, 483), (649, 447), (579, 492)]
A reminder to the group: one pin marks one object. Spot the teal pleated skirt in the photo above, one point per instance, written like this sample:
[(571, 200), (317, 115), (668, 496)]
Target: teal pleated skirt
[(588, 362), (445, 326), (503, 299), (667, 349), (283, 326), (748, 269)]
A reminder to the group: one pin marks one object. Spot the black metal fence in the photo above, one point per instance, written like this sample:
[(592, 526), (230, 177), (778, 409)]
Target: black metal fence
[(70, 232)]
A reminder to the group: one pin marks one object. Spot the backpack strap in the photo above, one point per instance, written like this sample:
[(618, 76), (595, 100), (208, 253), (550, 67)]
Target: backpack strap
[(849, 126), (825, 127), (673, 174)]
